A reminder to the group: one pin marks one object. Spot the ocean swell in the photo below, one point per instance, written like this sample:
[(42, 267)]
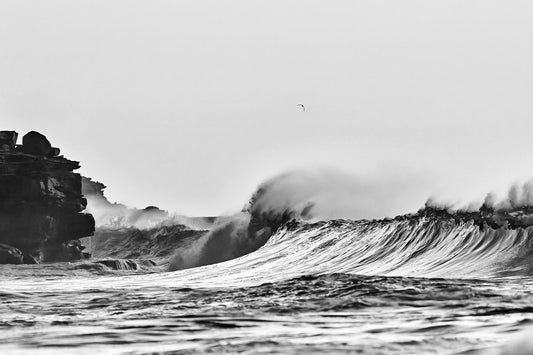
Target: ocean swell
[(418, 247)]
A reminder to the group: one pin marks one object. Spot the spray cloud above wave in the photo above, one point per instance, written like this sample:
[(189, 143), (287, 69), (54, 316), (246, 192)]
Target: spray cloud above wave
[(328, 193), (519, 196)]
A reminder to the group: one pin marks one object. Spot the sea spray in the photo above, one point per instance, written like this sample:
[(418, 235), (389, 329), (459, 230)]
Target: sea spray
[(117, 215), (304, 194), (227, 240), (324, 193)]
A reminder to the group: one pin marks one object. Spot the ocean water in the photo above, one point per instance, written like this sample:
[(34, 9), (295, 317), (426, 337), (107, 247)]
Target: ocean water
[(418, 286)]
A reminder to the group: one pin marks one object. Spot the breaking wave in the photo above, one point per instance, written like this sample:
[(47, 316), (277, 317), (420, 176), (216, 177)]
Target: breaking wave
[(282, 232)]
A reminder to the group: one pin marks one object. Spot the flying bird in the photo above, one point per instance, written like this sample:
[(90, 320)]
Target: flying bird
[(302, 106)]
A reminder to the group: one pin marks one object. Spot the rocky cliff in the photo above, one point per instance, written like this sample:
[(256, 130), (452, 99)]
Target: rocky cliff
[(40, 202)]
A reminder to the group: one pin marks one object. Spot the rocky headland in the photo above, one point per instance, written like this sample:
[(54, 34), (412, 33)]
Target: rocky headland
[(41, 202)]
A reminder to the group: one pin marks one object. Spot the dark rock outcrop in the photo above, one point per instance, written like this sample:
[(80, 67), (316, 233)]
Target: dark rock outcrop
[(40, 198)]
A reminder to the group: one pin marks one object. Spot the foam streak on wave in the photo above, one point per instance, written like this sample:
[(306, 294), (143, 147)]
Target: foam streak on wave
[(422, 248)]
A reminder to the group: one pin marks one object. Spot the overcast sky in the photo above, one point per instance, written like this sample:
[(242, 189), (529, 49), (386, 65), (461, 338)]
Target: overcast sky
[(188, 105)]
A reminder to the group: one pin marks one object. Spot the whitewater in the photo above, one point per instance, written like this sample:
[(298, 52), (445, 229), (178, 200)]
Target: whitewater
[(415, 285)]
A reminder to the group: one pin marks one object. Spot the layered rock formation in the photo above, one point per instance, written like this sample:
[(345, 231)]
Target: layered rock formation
[(40, 202)]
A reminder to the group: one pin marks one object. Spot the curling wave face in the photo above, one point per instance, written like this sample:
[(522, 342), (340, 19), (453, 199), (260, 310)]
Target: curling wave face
[(419, 247)]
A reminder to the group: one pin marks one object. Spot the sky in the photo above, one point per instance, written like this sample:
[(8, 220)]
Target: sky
[(189, 105)]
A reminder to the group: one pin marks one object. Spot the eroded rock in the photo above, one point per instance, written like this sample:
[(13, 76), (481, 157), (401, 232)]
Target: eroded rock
[(40, 199)]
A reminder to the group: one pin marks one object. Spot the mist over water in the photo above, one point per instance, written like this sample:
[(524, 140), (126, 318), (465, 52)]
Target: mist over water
[(113, 215), (517, 195), (323, 193)]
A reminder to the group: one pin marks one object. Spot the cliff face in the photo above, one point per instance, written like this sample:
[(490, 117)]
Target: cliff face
[(40, 201)]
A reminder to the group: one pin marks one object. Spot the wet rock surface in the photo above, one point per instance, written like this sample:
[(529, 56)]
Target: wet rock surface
[(40, 200)]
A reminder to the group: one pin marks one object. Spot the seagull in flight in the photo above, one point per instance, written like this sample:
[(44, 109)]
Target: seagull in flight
[(302, 106)]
